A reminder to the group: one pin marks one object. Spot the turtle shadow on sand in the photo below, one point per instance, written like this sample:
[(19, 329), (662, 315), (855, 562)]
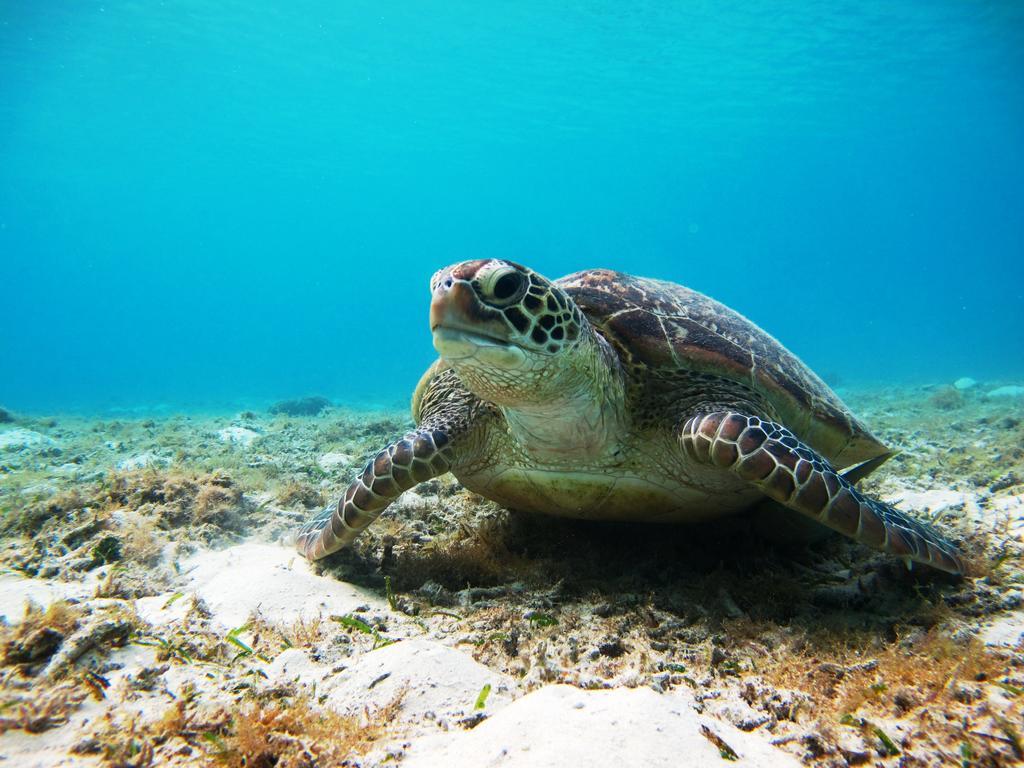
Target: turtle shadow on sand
[(715, 571)]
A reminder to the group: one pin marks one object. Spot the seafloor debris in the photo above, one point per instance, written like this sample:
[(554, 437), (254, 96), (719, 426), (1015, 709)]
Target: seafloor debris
[(154, 642), (303, 406)]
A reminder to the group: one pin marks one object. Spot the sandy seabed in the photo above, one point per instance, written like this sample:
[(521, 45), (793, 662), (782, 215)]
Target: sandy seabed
[(155, 613)]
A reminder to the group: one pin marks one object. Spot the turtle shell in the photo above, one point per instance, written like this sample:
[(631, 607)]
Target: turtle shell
[(656, 325)]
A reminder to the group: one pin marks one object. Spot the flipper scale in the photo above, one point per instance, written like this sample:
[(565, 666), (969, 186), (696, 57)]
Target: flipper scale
[(772, 458)]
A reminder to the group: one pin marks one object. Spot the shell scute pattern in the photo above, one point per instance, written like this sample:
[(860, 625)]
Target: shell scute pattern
[(657, 326)]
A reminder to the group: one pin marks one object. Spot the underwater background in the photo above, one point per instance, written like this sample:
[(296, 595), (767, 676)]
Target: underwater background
[(213, 204)]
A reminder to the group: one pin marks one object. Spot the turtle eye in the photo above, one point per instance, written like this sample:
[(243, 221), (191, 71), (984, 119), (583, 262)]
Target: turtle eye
[(503, 286)]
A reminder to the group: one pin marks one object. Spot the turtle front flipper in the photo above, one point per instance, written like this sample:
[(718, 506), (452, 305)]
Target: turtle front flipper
[(419, 456), (770, 457), (447, 416)]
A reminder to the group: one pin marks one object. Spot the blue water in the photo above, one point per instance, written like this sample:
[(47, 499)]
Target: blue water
[(212, 203)]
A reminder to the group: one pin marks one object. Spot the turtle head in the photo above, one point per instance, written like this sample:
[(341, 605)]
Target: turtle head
[(508, 332)]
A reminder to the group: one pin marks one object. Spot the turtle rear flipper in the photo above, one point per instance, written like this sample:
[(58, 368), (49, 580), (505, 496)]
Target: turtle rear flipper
[(858, 472), (770, 457)]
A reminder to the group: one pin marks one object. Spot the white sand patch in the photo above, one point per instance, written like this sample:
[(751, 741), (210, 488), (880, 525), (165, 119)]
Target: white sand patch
[(162, 610), (295, 666), (16, 591), (332, 461), (240, 436), (275, 581), (49, 749), (17, 439), (1006, 630), (560, 725), (441, 684), (946, 504), (965, 382), (1008, 507), (934, 503)]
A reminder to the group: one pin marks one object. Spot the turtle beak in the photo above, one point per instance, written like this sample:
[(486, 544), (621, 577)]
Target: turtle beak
[(452, 304), (464, 328)]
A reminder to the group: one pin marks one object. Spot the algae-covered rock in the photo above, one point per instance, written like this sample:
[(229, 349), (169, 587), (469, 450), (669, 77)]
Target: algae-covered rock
[(238, 436), (39, 633), (38, 645), (20, 439), (101, 630), (303, 406), (947, 398), (107, 550), (334, 460)]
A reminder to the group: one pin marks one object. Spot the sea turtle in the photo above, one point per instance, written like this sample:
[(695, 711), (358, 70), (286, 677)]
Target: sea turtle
[(607, 396)]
